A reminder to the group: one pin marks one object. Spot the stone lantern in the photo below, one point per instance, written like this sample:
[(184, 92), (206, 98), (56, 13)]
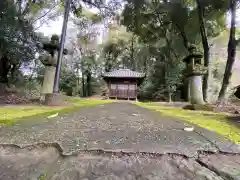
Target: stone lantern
[(49, 60), (194, 72)]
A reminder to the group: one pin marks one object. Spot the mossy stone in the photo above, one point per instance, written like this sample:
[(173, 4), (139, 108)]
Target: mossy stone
[(53, 99)]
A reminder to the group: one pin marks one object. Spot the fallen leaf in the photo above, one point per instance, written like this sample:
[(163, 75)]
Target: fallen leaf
[(95, 142), (52, 116), (188, 129)]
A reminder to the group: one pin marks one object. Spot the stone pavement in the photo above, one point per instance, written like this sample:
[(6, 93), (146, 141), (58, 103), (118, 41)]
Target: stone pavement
[(115, 141)]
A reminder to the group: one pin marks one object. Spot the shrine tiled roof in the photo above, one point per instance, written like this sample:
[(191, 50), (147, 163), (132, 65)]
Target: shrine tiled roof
[(124, 73)]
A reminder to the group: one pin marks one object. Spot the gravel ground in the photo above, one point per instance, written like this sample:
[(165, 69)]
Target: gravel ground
[(114, 141)]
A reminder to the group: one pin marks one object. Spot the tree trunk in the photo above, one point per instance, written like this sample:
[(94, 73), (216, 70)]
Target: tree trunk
[(206, 77), (205, 48), (145, 63), (231, 54), (5, 68), (78, 81), (89, 92), (83, 86), (181, 30), (83, 79), (108, 64), (145, 66), (184, 36), (132, 54)]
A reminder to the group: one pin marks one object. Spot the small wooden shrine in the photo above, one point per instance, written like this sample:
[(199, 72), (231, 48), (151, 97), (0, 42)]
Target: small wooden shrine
[(123, 83)]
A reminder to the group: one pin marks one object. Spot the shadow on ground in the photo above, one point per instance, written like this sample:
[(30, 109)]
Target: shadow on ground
[(234, 120)]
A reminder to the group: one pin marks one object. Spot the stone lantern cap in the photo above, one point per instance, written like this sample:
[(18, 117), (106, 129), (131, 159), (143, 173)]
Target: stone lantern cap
[(50, 47), (53, 45)]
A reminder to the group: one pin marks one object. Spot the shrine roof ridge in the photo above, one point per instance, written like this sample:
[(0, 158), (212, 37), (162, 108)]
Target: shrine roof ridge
[(124, 73)]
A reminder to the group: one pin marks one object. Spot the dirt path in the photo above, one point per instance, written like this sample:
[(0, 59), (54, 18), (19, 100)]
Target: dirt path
[(115, 141)]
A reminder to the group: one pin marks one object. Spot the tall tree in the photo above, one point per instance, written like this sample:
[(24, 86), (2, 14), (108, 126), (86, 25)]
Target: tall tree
[(232, 44), (205, 45), (17, 40), (85, 48)]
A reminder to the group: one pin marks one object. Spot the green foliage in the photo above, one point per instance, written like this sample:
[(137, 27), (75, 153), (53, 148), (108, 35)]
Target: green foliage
[(152, 19), (123, 49), (149, 36), (86, 65), (169, 27), (68, 81), (115, 46), (163, 80), (105, 9), (16, 36), (18, 41)]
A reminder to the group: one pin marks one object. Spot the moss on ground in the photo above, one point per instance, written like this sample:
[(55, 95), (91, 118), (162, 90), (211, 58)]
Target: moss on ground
[(217, 122), (9, 115)]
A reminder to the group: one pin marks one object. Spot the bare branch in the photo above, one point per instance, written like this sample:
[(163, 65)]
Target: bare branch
[(45, 14)]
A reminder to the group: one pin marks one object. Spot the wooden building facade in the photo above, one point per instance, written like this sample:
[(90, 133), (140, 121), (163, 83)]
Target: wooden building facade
[(123, 83)]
